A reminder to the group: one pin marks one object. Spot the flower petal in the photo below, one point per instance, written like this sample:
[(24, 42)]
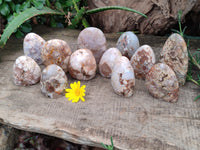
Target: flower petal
[(83, 86), (83, 99), (75, 100), (78, 84), (72, 85), (68, 90)]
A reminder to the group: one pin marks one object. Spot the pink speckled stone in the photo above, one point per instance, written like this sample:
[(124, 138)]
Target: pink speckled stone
[(93, 39), (142, 61), (57, 52), (107, 61), (175, 55), (162, 83), (32, 46), (82, 65), (26, 71), (53, 81)]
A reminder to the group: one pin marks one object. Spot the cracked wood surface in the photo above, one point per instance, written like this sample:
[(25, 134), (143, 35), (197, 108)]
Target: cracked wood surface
[(138, 122)]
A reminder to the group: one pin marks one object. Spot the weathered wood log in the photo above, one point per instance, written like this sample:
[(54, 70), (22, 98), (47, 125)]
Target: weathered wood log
[(161, 15)]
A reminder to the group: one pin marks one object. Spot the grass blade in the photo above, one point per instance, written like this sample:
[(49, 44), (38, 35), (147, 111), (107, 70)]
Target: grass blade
[(196, 98), (114, 7)]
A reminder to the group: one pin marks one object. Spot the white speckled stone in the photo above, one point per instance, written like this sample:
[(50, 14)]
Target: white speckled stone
[(142, 61), (107, 61), (82, 65), (162, 83), (128, 43), (32, 46), (53, 81), (122, 78), (175, 55), (93, 39), (26, 71), (57, 52)]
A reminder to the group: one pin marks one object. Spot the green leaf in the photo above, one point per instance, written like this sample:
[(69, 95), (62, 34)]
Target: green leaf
[(58, 6), (10, 18), (48, 3), (25, 5), (4, 9), (76, 20), (8, 0), (1, 2), (114, 7), (196, 98), (38, 4), (53, 22), (21, 18), (19, 34), (12, 6), (69, 3), (17, 8), (26, 27)]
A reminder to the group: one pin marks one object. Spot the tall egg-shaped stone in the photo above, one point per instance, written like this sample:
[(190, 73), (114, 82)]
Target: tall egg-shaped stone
[(142, 61), (175, 55), (122, 78), (162, 83), (107, 61), (128, 43), (93, 39), (26, 71), (53, 81), (57, 52), (32, 46)]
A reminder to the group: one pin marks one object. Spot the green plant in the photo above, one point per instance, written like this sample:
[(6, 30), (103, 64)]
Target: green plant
[(73, 11), (194, 59), (19, 19), (10, 9), (109, 147)]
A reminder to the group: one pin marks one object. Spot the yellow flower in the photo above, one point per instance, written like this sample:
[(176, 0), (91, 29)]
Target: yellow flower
[(76, 92)]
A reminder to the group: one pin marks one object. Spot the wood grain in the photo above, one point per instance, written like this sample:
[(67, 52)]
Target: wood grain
[(138, 122)]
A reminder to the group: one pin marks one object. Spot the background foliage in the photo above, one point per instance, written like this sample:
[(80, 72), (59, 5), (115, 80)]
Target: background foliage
[(10, 9)]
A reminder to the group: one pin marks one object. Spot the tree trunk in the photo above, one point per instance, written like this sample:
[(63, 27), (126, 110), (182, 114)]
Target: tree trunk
[(161, 15)]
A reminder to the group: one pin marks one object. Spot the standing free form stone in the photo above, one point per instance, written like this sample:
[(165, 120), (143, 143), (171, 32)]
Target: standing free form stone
[(142, 61), (26, 71), (32, 46), (107, 61), (82, 65), (162, 83), (56, 52), (175, 55), (93, 39), (128, 43), (122, 78), (53, 81)]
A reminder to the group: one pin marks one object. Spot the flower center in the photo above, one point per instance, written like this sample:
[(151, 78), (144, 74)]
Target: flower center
[(77, 92)]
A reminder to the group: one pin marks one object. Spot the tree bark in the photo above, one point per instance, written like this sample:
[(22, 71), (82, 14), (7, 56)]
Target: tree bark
[(161, 15)]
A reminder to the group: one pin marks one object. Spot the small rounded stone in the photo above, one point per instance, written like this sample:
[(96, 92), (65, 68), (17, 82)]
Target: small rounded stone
[(32, 46), (162, 83), (82, 65), (107, 61), (57, 52), (93, 39), (142, 61), (122, 78), (128, 43), (53, 81), (26, 71)]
